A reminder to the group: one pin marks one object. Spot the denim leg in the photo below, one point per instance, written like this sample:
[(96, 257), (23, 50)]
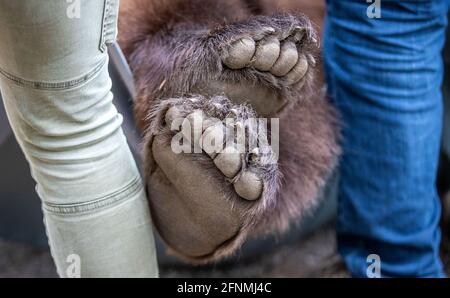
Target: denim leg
[(385, 76), (56, 90)]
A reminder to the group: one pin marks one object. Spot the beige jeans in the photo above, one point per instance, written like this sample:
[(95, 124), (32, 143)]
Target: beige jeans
[(56, 90)]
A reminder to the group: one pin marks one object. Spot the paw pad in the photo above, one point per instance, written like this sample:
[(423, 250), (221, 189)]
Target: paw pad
[(278, 52)]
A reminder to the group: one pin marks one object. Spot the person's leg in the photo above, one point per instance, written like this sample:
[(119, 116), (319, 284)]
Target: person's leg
[(385, 76), (446, 95), (56, 90)]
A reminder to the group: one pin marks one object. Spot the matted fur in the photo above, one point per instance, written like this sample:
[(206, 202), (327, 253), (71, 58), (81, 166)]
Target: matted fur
[(172, 45)]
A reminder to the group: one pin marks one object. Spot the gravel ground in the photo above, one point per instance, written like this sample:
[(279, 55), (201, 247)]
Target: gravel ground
[(313, 257), (18, 260)]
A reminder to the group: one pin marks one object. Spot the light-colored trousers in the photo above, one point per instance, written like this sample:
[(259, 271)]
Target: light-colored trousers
[(56, 90)]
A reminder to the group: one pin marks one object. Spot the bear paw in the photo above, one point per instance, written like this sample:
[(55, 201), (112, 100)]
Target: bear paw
[(206, 187)]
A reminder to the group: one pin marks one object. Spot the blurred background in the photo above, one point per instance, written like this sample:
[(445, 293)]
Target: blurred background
[(307, 250)]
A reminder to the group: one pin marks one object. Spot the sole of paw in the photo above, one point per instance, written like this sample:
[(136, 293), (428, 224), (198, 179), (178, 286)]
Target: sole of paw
[(266, 61), (199, 199), (213, 137)]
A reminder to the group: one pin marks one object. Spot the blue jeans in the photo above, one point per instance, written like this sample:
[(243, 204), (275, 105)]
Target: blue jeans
[(385, 77)]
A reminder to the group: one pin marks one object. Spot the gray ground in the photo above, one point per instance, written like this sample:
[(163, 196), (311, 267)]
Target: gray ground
[(313, 257)]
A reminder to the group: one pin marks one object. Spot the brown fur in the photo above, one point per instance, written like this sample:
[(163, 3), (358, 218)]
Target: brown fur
[(172, 45)]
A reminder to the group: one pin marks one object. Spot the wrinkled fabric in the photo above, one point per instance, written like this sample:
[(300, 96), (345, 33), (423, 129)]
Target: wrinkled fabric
[(56, 90), (385, 77)]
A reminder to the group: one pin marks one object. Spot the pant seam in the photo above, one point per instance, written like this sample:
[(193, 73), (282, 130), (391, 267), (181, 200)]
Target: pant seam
[(108, 24), (77, 208), (54, 86)]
